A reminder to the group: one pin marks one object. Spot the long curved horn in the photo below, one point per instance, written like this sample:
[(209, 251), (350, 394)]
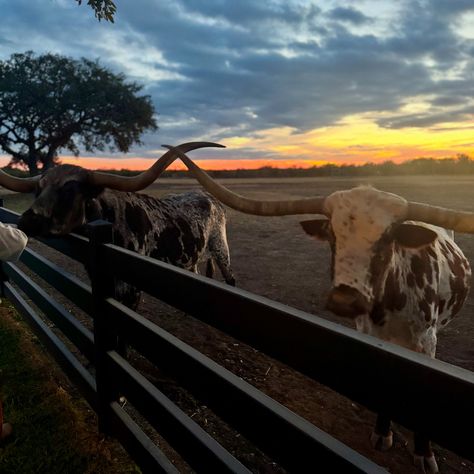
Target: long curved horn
[(460, 221), (141, 181), (251, 206), (22, 185)]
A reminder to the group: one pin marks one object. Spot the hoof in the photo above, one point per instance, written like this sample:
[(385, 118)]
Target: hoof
[(7, 430), (380, 442), (399, 439), (426, 464)]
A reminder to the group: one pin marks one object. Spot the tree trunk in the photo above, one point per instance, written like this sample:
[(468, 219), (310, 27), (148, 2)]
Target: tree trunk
[(47, 163), (47, 159), (32, 166)]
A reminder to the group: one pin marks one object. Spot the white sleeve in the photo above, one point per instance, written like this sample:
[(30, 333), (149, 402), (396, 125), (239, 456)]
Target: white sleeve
[(12, 242)]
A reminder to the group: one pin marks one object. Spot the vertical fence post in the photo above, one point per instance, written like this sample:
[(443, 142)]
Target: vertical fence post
[(105, 338)]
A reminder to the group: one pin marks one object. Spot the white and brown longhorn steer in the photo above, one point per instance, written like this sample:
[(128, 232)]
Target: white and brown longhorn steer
[(395, 269)]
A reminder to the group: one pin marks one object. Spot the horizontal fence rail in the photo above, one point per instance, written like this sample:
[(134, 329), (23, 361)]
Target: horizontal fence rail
[(70, 286), (407, 386), (288, 438), (139, 445), (68, 362), (427, 395), (147, 455), (81, 337), (187, 437), (73, 245)]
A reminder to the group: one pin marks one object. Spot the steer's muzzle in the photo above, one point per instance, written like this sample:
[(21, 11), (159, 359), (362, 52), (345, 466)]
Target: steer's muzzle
[(33, 224), (346, 301)]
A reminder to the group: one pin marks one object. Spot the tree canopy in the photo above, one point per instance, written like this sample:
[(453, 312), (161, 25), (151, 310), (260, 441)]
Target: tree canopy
[(103, 9), (51, 102)]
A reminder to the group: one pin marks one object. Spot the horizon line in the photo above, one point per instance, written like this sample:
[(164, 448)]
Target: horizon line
[(141, 164)]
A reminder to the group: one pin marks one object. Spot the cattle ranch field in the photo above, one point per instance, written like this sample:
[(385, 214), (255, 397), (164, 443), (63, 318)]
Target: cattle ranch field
[(273, 257)]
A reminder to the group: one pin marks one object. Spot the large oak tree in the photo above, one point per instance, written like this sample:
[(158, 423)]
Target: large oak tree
[(50, 103)]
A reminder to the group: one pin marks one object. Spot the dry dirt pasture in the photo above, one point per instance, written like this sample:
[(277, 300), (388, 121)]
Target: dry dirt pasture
[(271, 256)]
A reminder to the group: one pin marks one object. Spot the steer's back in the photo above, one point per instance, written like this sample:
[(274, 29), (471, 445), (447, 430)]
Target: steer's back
[(454, 276), (175, 229)]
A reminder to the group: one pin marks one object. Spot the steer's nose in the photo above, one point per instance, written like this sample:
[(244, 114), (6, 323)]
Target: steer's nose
[(344, 300), (33, 224)]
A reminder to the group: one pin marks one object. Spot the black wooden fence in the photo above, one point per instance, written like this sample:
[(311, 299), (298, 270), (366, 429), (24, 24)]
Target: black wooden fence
[(430, 396)]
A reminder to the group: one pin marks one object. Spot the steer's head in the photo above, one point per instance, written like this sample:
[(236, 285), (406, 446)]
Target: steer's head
[(62, 194), (363, 227), (66, 193)]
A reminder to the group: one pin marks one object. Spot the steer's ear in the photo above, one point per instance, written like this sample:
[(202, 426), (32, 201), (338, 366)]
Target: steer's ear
[(413, 236), (318, 228)]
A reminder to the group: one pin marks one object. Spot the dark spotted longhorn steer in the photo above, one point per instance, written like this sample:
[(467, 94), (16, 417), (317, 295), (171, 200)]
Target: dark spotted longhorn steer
[(394, 271), (178, 229)]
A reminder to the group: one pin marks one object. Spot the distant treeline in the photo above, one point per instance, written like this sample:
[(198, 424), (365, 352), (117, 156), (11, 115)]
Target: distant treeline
[(461, 164)]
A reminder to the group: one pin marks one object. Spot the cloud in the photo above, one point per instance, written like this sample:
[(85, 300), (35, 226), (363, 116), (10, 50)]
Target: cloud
[(446, 100), (5, 42), (428, 119), (220, 68), (348, 14)]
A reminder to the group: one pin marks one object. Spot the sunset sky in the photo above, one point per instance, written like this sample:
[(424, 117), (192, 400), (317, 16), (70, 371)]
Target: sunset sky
[(281, 82)]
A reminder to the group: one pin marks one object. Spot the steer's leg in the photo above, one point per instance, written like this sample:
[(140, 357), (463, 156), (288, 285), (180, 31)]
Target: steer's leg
[(210, 268), (382, 436), (224, 267), (424, 457), (219, 249)]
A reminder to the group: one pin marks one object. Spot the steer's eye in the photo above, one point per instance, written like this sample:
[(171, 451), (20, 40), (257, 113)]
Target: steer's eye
[(69, 190)]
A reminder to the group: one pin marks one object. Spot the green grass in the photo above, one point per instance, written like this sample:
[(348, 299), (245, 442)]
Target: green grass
[(54, 430)]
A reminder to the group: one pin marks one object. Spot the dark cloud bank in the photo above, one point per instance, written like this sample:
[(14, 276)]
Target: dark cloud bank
[(239, 67)]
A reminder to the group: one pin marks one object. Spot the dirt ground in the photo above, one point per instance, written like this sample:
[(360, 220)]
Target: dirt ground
[(271, 256)]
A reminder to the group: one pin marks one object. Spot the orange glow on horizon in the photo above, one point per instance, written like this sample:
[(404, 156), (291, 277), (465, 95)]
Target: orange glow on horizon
[(355, 140), (139, 164)]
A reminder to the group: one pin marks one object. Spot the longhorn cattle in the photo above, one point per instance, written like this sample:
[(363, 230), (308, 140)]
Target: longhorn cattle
[(398, 274), (179, 229)]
